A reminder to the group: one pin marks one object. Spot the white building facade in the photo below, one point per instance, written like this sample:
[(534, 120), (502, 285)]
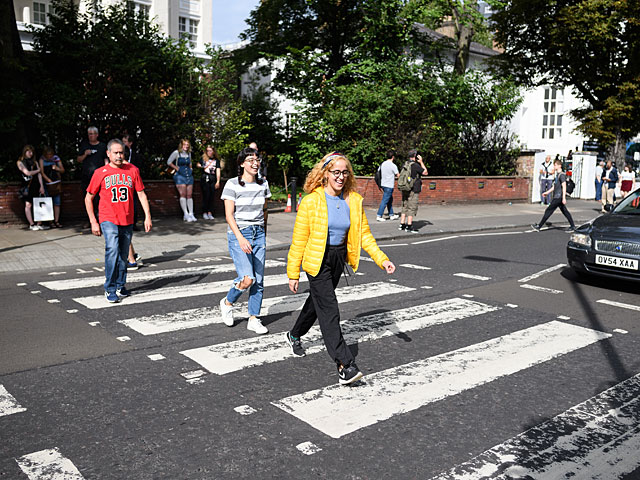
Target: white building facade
[(188, 19)]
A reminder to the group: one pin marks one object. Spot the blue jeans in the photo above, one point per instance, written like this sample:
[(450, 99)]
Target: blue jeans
[(117, 239), (599, 190), (387, 201), (545, 184), (249, 265)]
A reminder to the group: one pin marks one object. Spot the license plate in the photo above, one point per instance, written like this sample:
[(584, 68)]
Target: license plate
[(627, 263)]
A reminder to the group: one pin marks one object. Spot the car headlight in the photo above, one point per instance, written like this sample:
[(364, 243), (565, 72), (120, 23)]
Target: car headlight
[(580, 239)]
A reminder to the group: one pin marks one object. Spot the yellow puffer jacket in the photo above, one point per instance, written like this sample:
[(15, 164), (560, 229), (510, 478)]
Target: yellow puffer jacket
[(312, 228)]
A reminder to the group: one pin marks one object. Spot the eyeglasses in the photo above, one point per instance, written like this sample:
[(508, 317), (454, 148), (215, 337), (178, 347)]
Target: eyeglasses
[(253, 160), (337, 173)]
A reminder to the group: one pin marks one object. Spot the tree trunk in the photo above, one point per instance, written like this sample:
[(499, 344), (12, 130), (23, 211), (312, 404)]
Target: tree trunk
[(463, 44), (617, 151)]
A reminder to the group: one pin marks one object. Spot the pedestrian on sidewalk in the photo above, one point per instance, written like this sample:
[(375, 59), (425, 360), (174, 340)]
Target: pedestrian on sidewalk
[(546, 179), (413, 169), (116, 183), (627, 180), (92, 154), (245, 205), (180, 162), (330, 229), (389, 172), (132, 156), (559, 191), (32, 185), (134, 261), (51, 169), (210, 179), (610, 180), (599, 181)]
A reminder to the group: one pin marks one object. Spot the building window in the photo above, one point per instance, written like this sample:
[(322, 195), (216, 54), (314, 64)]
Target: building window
[(141, 7), (553, 109), (188, 29), (40, 13), (544, 133)]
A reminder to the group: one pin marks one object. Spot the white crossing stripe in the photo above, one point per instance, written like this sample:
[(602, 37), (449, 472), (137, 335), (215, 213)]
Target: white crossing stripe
[(434, 240), (200, 317), (8, 404), (408, 387), (415, 267), (170, 293), (473, 277), (232, 356), (245, 410), (628, 306), (541, 289), (599, 438), (542, 272), (48, 465), (149, 275), (308, 448)]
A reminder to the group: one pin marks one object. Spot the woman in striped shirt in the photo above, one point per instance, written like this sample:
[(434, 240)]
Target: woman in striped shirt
[(245, 205)]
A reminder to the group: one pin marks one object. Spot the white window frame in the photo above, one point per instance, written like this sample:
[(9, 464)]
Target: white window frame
[(47, 10), (188, 29)]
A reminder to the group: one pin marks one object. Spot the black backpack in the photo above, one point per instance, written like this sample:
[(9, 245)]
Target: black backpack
[(571, 185), (378, 177)]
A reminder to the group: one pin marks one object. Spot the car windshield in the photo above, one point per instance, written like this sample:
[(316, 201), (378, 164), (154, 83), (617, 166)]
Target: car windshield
[(630, 205)]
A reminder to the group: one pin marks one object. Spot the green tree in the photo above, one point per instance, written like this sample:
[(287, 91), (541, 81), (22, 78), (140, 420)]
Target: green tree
[(113, 69), (590, 46)]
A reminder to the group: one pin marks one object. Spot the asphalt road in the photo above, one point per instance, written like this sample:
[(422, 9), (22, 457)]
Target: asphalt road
[(484, 357)]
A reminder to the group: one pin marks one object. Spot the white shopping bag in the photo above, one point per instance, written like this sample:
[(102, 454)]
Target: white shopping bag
[(42, 209)]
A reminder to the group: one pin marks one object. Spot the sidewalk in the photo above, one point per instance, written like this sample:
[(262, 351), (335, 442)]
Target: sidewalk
[(22, 249)]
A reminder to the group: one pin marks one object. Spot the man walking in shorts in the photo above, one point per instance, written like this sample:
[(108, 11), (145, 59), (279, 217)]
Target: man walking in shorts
[(410, 198)]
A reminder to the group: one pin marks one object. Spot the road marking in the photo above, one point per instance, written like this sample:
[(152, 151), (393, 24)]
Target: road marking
[(73, 310), (628, 306), (490, 234), (308, 448), (21, 284), (53, 274), (200, 317), (233, 356), (394, 245), (473, 277), (245, 410), (147, 276), (35, 292), (512, 305), (155, 357), (8, 404), (170, 293), (435, 240), (541, 289), (53, 300), (124, 338), (48, 465), (408, 387), (563, 317), (426, 287), (467, 295), (94, 324), (542, 272), (194, 377), (594, 439), (619, 330), (415, 267), (366, 259)]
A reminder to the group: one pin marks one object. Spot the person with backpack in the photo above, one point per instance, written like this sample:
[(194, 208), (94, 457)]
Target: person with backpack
[(386, 179), (559, 189), (410, 184), (610, 179)]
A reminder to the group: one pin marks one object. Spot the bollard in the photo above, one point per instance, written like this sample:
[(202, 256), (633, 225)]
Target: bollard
[(294, 206)]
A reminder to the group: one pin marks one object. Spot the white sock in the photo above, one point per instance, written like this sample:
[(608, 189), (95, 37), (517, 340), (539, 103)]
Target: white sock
[(190, 206), (183, 205)]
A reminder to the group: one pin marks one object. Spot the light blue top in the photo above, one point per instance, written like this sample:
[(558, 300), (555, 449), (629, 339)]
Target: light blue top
[(339, 221)]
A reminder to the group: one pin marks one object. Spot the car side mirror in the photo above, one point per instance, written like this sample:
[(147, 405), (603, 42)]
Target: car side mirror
[(608, 207)]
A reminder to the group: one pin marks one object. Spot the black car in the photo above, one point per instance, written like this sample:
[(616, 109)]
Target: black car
[(610, 244)]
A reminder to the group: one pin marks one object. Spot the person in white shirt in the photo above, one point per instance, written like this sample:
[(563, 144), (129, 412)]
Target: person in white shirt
[(389, 172), (546, 179), (628, 180), (599, 172)]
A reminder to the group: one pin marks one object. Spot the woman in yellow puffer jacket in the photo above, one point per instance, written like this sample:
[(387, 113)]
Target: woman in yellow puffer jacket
[(330, 228)]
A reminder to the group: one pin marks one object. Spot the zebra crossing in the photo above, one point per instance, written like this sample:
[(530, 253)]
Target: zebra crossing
[(388, 393)]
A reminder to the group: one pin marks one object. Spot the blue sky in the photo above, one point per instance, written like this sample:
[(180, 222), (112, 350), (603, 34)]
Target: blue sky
[(229, 17)]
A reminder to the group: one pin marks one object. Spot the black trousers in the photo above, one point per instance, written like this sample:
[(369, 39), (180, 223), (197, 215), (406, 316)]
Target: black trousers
[(323, 305), (556, 203), (208, 190)]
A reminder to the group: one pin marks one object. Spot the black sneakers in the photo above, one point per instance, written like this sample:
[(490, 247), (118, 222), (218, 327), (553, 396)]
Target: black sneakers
[(296, 345), (411, 229), (349, 374), (535, 226), (570, 229), (402, 226)]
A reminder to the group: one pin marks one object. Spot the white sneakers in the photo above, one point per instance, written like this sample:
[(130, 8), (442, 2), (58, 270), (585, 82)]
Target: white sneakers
[(255, 324), (395, 216), (381, 219), (189, 217), (207, 216), (226, 311)]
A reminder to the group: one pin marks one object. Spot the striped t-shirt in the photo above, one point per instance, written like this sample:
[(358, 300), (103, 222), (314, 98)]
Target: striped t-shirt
[(249, 201)]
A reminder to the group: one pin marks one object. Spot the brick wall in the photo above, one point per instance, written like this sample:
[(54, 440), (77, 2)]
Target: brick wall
[(438, 190), (163, 196)]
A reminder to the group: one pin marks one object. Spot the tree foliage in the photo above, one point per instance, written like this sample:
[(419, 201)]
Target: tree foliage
[(386, 93), (113, 69), (591, 46)]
